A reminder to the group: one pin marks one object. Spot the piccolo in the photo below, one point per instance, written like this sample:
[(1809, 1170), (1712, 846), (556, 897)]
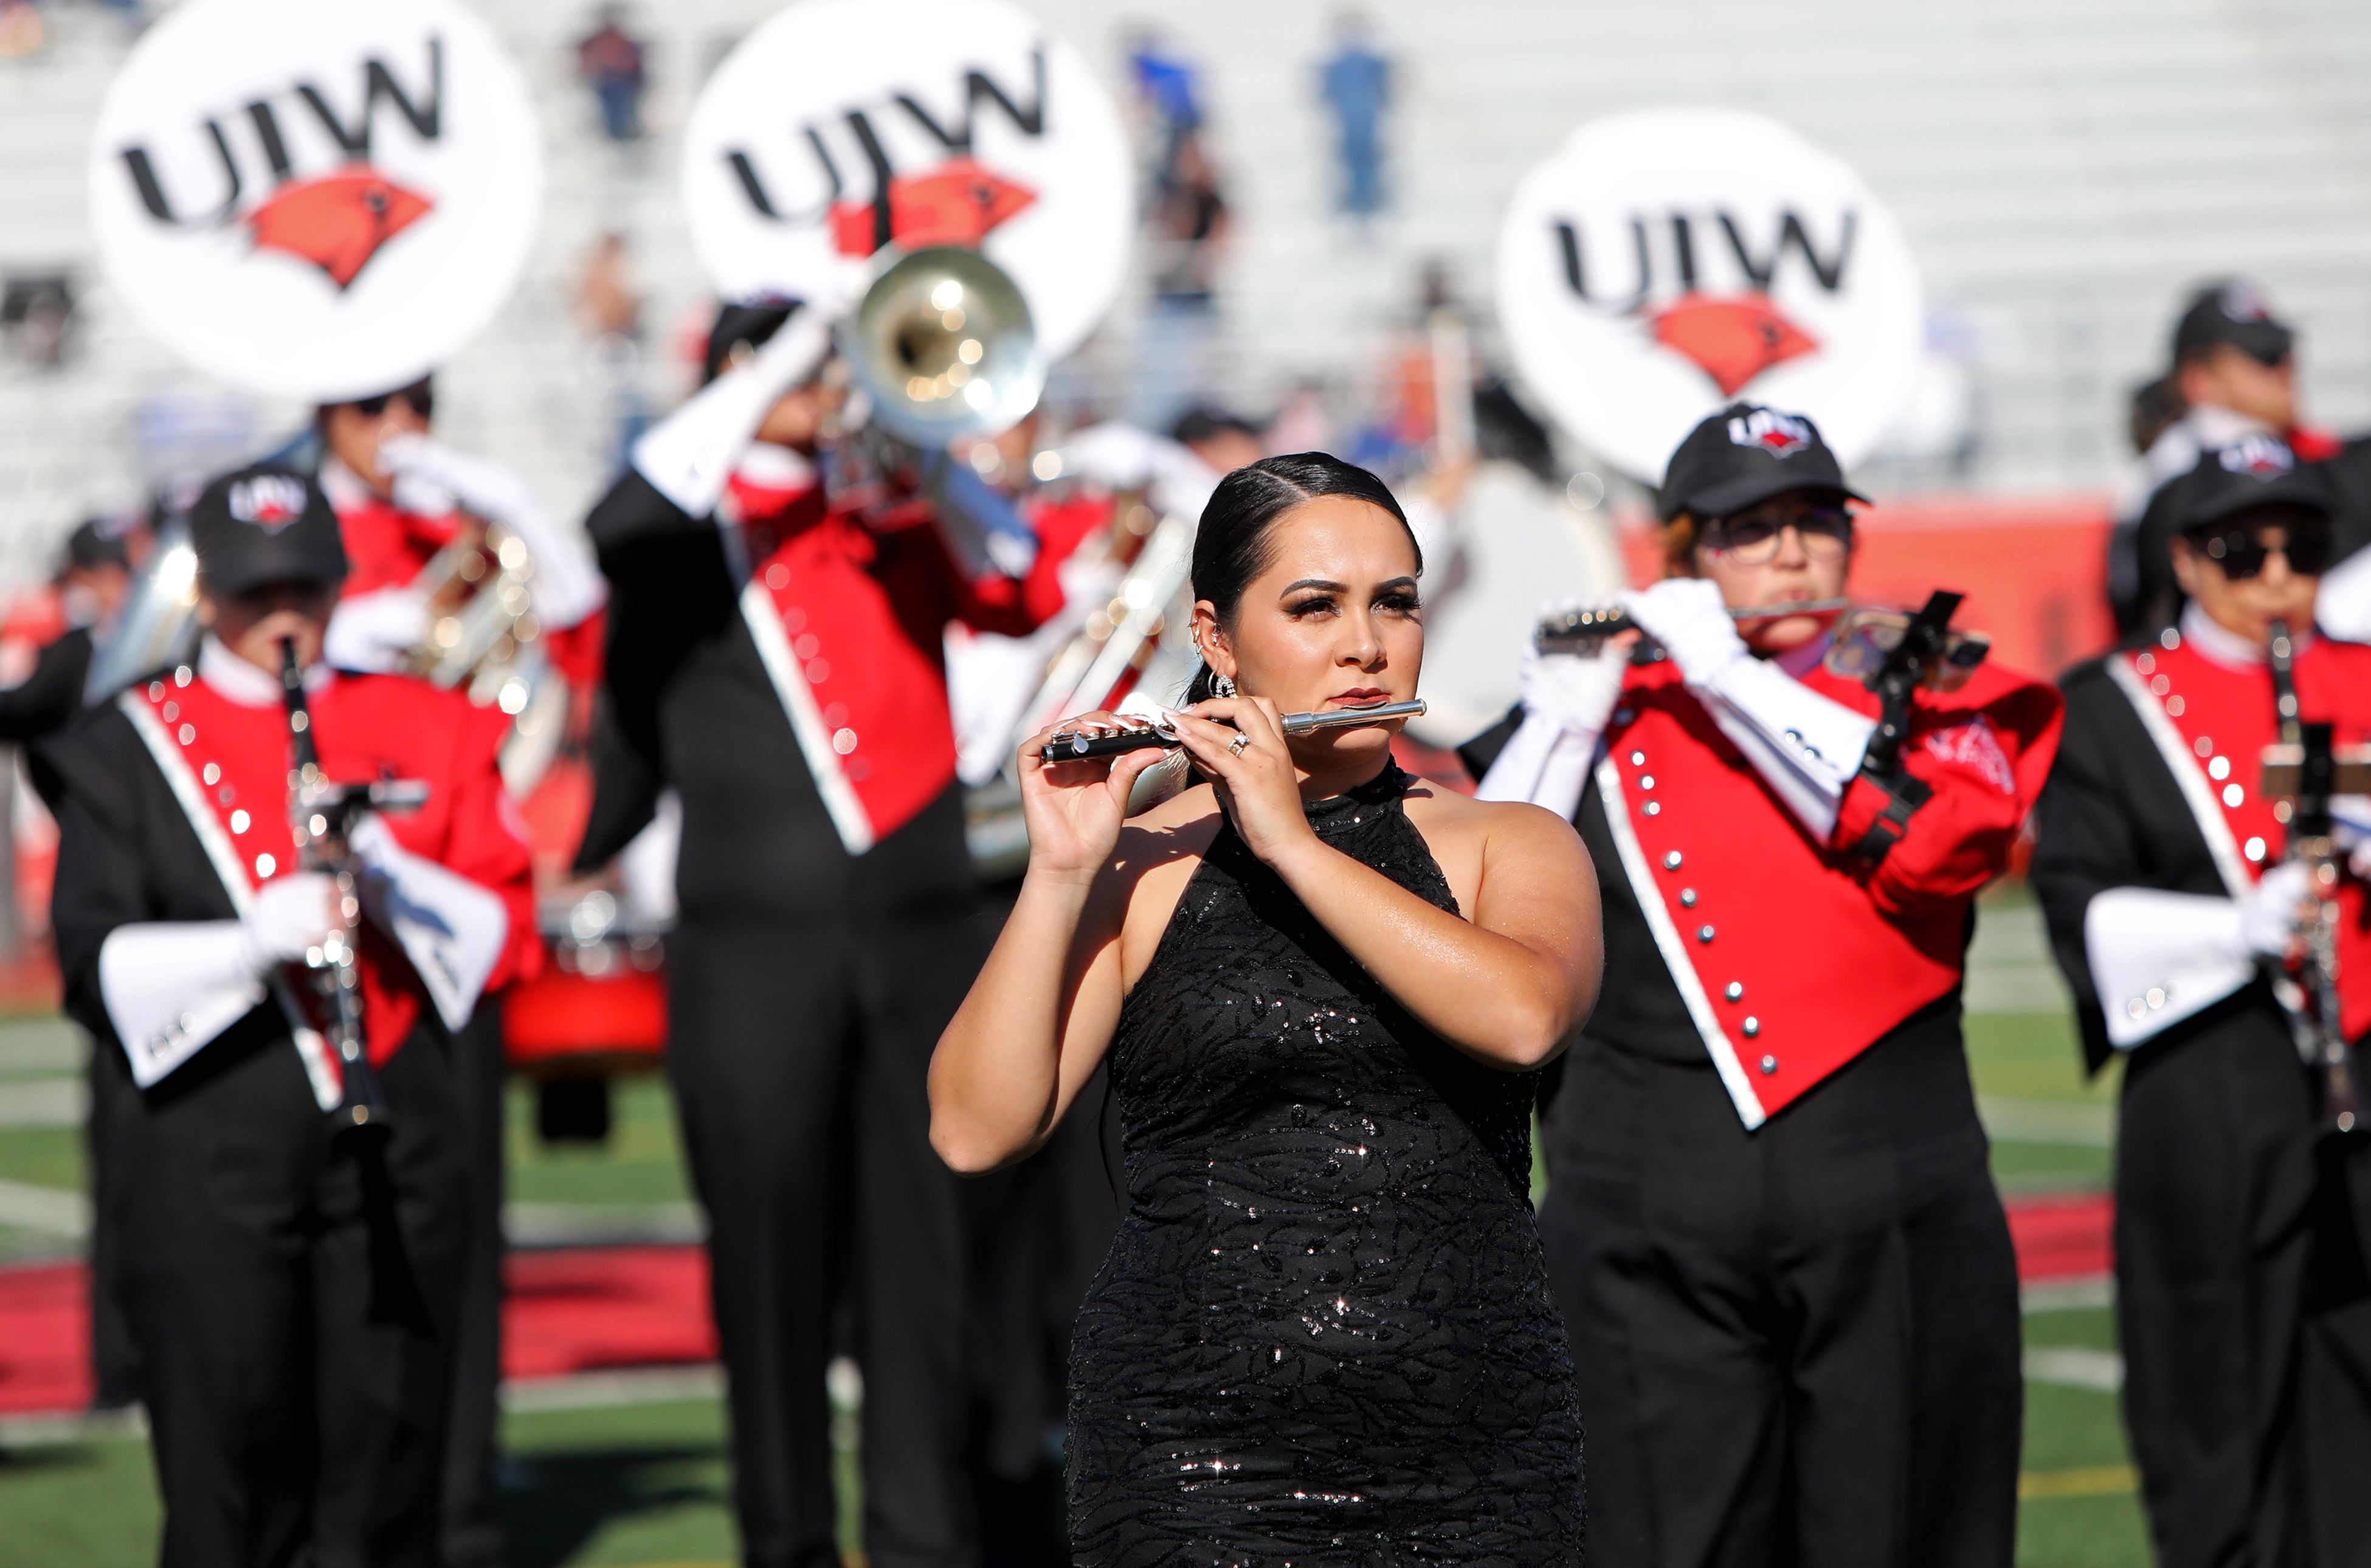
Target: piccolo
[(1077, 745), (1581, 629)]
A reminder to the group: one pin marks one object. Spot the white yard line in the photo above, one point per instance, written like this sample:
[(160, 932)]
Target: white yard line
[(43, 1102), (2074, 1124), (602, 1225), (2072, 1366), (2068, 1295), (53, 1209), (582, 1391)]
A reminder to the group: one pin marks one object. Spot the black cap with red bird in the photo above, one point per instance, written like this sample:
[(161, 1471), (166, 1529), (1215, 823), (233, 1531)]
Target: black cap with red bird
[(265, 524), (1743, 455)]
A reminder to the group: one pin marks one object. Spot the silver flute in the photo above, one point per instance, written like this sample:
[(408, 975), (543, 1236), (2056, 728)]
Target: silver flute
[(1580, 630), (1077, 745)]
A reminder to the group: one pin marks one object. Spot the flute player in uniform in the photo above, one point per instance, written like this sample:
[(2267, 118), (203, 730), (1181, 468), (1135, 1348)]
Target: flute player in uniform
[(1769, 1223)]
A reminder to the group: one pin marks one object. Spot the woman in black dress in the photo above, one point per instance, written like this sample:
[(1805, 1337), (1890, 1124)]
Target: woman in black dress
[(1323, 1334)]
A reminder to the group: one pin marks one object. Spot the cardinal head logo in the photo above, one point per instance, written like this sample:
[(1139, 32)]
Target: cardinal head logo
[(269, 501), (2259, 456), (1768, 430), (339, 221), (960, 201), (1732, 339)]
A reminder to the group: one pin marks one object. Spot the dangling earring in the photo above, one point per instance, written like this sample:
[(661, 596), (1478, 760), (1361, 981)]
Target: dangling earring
[(1221, 685)]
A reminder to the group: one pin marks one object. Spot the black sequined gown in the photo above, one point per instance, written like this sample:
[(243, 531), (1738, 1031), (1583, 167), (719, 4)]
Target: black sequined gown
[(1324, 1335)]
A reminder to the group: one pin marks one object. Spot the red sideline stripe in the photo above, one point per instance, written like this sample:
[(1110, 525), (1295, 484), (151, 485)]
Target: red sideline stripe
[(587, 1309), (2063, 1239)]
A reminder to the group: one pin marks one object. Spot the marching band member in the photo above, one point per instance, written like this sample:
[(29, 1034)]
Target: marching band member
[(292, 1296), (45, 680), (2163, 871), (401, 497), (1770, 1223), (777, 658), (2233, 374)]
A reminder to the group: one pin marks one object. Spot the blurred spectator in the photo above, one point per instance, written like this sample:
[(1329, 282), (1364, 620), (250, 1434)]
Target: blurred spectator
[(1304, 422), (610, 60), (1189, 227), (1225, 441), (22, 32), (1356, 86), (37, 311), (1169, 92), (610, 307)]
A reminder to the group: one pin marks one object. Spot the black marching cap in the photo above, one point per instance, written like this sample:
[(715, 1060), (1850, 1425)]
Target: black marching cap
[(2232, 311), (265, 524), (2257, 472), (1743, 455)]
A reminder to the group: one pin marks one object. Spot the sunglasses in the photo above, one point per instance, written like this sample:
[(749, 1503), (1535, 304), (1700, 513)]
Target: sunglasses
[(1753, 540), (419, 398), (2241, 553)]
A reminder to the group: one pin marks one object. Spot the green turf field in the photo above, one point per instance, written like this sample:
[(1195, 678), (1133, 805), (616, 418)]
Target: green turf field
[(641, 1480)]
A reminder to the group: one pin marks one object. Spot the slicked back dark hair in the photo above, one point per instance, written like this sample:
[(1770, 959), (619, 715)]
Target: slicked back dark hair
[(1236, 540)]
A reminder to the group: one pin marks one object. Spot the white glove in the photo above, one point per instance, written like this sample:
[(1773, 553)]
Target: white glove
[(2342, 606), (1808, 746), (170, 988), (2268, 917), (688, 456), (564, 585), (1566, 700), (451, 928), (374, 632), (1687, 616), (288, 915), (1576, 692), (2352, 831), (2158, 958)]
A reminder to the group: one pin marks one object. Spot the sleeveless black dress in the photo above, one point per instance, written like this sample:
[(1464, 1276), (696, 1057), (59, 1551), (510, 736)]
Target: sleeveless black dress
[(1323, 1334)]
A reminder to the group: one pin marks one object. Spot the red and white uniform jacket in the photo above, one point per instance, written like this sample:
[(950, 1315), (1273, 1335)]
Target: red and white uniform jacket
[(1793, 955), (2155, 830), (1735, 930), (849, 614), (178, 813)]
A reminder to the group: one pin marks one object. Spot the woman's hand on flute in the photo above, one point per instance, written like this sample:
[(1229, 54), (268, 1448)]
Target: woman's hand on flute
[(1075, 809), (1250, 769)]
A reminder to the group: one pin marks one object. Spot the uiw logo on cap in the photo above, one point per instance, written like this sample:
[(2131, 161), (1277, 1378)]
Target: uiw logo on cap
[(2259, 456), (2245, 301), (1780, 435), (269, 501)]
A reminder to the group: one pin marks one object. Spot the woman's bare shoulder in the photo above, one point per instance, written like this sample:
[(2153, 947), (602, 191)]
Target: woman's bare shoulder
[(1495, 827)]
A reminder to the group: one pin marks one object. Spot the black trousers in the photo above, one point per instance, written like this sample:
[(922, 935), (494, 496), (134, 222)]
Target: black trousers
[(1793, 1346), (114, 1355), (293, 1306), (473, 1525), (800, 1052), (2241, 1301)]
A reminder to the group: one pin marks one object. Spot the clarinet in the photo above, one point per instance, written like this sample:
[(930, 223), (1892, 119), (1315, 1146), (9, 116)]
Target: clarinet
[(321, 814), (2321, 1032)]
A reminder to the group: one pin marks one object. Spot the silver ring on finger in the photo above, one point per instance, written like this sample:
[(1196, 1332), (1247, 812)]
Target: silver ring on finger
[(1239, 745)]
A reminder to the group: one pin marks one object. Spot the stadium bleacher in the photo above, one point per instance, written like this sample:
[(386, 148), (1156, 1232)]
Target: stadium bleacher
[(2063, 170)]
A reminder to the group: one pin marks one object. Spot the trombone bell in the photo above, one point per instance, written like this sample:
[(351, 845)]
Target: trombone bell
[(943, 344)]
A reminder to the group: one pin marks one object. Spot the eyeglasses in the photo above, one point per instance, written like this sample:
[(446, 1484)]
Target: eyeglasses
[(419, 398), (2241, 553), (1753, 540)]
